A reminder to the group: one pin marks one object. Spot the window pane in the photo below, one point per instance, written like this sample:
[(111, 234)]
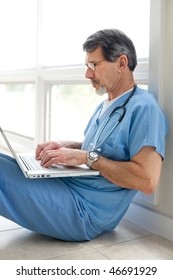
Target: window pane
[(66, 25), (71, 107), (18, 110), (18, 28)]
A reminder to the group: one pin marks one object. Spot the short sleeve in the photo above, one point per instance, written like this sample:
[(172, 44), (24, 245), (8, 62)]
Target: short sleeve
[(148, 127)]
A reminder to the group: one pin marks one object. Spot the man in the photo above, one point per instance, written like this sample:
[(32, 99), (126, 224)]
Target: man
[(124, 140)]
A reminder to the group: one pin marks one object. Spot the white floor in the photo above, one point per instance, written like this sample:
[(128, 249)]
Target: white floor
[(126, 242)]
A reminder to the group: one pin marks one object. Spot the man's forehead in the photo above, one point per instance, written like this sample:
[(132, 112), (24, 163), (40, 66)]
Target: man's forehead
[(95, 55)]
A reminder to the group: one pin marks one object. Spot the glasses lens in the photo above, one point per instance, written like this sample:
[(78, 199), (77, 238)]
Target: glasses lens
[(91, 66)]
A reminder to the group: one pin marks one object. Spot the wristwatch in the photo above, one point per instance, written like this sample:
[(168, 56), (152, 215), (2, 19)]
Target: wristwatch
[(92, 156)]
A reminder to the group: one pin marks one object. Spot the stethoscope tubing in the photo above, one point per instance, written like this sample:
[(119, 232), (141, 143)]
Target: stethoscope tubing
[(95, 145)]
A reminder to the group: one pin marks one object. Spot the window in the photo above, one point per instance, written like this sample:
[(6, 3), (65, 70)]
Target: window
[(67, 25), (69, 108), (41, 61), (18, 29), (18, 110)]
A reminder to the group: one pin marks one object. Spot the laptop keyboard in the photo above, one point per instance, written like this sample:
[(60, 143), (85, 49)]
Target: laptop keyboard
[(32, 164)]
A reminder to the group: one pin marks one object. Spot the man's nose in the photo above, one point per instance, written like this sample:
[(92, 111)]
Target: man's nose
[(89, 73)]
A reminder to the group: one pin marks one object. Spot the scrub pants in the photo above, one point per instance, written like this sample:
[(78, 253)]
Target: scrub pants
[(46, 206)]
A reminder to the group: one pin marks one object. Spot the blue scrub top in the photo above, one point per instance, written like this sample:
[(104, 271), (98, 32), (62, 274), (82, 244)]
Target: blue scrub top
[(144, 124)]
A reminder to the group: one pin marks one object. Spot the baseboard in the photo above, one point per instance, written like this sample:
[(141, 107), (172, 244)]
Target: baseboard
[(153, 221)]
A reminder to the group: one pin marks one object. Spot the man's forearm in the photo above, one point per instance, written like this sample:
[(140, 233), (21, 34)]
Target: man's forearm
[(141, 173), (72, 144)]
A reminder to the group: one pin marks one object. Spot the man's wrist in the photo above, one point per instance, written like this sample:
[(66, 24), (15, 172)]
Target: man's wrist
[(92, 156)]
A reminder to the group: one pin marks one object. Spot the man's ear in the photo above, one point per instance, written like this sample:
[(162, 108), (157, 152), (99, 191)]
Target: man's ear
[(123, 61)]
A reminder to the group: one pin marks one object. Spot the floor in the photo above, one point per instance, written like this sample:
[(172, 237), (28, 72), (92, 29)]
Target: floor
[(127, 242)]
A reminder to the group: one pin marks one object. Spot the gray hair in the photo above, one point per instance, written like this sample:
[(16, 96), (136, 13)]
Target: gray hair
[(113, 43)]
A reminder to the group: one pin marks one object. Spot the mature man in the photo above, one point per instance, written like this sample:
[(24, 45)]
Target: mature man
[(124, 140)]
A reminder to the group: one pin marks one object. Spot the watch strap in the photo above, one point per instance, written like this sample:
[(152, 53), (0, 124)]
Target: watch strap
[(90, 159)]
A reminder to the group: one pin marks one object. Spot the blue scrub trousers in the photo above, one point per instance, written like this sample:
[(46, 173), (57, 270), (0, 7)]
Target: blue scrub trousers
[(46, 206)]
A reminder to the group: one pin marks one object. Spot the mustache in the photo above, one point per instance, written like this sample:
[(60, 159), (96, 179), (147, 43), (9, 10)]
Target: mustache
[(93, 81)]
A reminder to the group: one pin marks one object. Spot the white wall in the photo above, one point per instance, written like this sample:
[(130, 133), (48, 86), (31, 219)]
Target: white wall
[(159, 218), (166, 190)]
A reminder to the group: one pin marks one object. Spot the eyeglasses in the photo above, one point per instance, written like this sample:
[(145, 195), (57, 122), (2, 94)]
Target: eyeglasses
[(92, 65)]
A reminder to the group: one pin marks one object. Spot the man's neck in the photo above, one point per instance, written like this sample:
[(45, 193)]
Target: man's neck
[(120, 90)]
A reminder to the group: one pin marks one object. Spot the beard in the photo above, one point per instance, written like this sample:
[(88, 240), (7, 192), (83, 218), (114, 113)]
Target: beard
[(101, 91)]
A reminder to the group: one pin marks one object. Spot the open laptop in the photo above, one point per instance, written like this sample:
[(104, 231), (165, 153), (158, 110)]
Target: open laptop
[(32, 168)]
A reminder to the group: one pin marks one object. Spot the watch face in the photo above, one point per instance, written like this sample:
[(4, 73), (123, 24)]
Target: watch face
[(93, 154)]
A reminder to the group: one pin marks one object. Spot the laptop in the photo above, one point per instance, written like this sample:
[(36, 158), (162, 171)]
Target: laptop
[(32, 169)]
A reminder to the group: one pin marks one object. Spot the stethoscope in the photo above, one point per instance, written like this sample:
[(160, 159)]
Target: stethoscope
[(95, 144)]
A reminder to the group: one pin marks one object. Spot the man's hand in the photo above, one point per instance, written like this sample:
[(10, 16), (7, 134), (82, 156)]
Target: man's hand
[(67, 156), (46, 146), (50, 153)]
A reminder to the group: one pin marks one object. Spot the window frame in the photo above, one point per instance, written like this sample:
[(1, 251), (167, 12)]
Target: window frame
[(43, 78)]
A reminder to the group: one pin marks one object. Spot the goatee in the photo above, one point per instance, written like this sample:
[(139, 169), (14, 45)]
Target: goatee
[(101, 91)]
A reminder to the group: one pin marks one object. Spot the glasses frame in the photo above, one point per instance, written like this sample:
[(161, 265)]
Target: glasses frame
[(92, 65)]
